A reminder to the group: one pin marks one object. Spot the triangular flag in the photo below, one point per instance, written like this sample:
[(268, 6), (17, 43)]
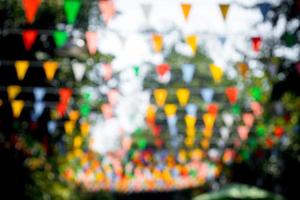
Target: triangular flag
[(73, 115), (170, 110), (186, 7), (157, 42), (264, 9), (232, 94), (191, 132), (216, 72), (17, 107), (21, 68), (183, 95), (31, 7), (84, 128), (65, 95), (160, 96), (188, 71), (209, 120), (85, 110), (150, 114), (107, 9), (191, 109), (190, 121), (224, 131), (136, 70), (192, 41), (107, 111), (106, 71), (256, 43), (147, 10), (13, 91), (60, 38), (243, 132), (248, 119), (207, 94), (256, 108), (228, 119), (113, 96), (224, 10), (29, 37), (38, 109), (39, 93), (172, 121), (61, 108), (51, 126), (222, 40), (213, 108), (50, 68), (162, 69), (69, 127), (243, 69), (71, 8), (91, 41), (78, 70)]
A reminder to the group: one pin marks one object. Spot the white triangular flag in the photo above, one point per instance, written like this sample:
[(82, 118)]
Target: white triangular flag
[(228, 119), (146, 10), (78, 70)]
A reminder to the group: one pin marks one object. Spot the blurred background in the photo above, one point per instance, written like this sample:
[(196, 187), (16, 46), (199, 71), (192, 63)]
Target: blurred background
[(140, 99)]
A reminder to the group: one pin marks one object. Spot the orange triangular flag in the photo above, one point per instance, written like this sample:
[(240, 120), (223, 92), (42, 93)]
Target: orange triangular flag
[(84, 128), (224, 10), (192, 41), (160, 96), (190, 121), (209, 120), (186, 7), (183, 95), (170, 110), (69, 127), (73, 115), (21, 68), (50, 68), (31, 7), (13, 91), (17, 107), (157, 42)]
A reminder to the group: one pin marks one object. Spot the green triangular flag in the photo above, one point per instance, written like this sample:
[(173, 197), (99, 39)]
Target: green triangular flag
[(85, 110), (236, 110), (142, 143), (260, 130), (71, 10), (256, 93), (60, 38), (136, 70)]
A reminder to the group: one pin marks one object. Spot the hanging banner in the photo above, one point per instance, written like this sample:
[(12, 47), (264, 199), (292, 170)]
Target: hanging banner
[(188, 71), (60, 38), (91, 41), (13, 91), (29, 37), (146, 10), (71, 8), (107, 9), (192, 41), (39, 93), (78, 71), (232, 94), (209, 120), (21, 68), (207, 94), (216, 72), (50, 68), (160, 96), (17, 107), (191, 109), (157, 42), (224, 10), (30, 8), (183, 95), (170, 110), (186, 7)]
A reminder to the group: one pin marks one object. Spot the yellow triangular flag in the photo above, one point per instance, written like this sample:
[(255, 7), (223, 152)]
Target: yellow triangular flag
[(157, 42), (189, 141), (69, 127), (209, 120), (191, 132), (84, 128), (170, 110), (183, 95), (17, 107), (74, 115), (207, 132), (150, 113), (186, 7), (50, 68), (13, 91), (224, 10), (77, 142), (216, 72), (205, 143), (190, 121), (192, 41), (21, 68), (160, 96)]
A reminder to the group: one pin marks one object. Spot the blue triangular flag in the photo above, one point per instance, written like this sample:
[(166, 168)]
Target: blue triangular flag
[(39, 93), (264, 9), (222, 40), (38, 109), (51, 125), (188, 71), (191, 109), (207, 94)]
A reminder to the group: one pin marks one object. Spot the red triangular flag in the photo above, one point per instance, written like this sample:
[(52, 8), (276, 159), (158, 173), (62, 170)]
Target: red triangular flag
[(31, 7), (232, 93), (29, 37), (256, 43), (162, 69), (61, 108), (65, 95)]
